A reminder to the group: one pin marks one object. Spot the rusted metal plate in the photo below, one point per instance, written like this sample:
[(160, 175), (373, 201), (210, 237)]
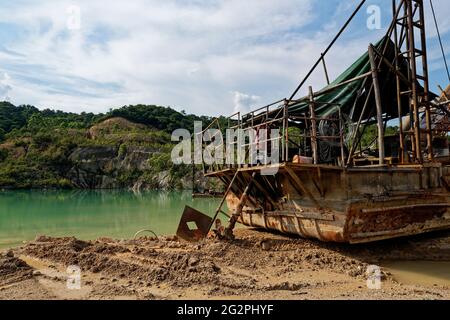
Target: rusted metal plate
[(429, 206), (302, 215), (194, 225), (357, 206)]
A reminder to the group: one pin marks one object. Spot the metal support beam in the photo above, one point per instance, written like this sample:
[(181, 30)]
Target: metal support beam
[(300, 185), (262, 190), (377, 91), (426, 89), (312, 111), (398, 87), (327, 49), (413, 67), (325, 69), (237, 214), (219, 208)]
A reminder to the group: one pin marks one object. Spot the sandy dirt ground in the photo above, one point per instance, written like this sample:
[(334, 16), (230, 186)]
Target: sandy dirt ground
[(257, 265)]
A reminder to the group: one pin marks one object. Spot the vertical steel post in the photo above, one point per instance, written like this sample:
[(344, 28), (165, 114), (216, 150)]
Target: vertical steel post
[(426, 88), (312, 111), (283, 138), (413, 66), (341, 137), (399, 94), (377, 92), (412, 133), (287, 131)]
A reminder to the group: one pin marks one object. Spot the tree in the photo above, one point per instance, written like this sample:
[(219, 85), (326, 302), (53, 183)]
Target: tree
[(37, 122)]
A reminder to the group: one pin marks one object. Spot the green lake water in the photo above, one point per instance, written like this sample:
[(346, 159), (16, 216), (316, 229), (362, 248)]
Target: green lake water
[(92, 214)]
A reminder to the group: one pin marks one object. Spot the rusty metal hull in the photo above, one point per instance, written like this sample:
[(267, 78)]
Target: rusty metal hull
[(348, 205)]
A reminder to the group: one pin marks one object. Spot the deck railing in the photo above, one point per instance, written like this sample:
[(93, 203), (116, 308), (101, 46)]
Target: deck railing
[(300, 138)]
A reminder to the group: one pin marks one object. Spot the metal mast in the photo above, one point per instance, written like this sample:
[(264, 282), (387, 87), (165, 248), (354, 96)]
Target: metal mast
[(410, 40)]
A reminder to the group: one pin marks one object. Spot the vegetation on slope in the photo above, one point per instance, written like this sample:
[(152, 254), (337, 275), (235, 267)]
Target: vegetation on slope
[(45, 149), (124, 148)]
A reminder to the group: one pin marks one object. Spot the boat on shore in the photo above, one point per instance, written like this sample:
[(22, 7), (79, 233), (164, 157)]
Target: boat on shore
[(327, 185)]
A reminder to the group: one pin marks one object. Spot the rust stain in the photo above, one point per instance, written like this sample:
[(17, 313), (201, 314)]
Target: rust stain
[(358, 208)]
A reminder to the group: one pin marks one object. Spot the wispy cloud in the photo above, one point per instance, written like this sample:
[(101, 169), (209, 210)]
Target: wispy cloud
[(207, 57), (5, 86), (244, 103)]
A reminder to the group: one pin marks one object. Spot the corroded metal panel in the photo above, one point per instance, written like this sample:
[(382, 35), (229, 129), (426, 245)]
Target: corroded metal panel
[(194, 225), (357, 206)]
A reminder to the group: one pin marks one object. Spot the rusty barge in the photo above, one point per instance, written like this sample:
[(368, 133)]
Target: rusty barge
[(333, 185)]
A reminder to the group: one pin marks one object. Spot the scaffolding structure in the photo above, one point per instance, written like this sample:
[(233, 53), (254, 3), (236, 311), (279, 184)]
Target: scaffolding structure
[(320, 143), (306, 131)]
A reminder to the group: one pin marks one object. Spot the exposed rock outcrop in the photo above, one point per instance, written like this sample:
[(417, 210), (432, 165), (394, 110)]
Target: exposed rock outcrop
[(106, 167), (103, 167)]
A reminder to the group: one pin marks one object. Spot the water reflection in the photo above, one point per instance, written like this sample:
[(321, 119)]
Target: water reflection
[(91, 214)]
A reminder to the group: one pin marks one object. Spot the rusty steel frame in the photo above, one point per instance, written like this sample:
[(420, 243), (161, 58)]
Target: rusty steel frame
[(347, 211), (409, 198)]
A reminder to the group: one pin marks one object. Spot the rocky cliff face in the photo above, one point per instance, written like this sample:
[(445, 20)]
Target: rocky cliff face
[(106, 167), (113, 154), (101, 167)]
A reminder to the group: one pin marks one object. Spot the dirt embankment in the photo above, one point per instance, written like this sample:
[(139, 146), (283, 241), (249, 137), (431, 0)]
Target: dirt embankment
[(257, 265)]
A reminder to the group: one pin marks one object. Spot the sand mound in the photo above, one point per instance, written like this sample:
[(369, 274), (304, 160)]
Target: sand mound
[(13, 269), (256, 265)]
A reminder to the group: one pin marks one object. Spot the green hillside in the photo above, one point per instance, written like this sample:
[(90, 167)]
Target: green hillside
[(125, 148)]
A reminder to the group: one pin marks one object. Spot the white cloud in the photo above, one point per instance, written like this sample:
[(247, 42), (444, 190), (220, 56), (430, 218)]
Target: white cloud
[(189, 55), (244, 103), (186, 54), (5, 86), (442, 10)]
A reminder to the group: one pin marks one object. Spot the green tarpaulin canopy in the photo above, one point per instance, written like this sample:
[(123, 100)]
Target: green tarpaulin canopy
[(351, 97)]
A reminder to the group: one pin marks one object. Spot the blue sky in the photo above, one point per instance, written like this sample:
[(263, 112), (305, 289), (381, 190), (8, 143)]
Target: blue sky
[(206, 57)]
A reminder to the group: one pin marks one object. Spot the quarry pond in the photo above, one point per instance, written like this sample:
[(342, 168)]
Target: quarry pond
[(88, 215), (43, 232)]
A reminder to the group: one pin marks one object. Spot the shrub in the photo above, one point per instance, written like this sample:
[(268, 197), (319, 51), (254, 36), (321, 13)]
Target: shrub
[(3, 154), (122, 150), (42, 140)]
